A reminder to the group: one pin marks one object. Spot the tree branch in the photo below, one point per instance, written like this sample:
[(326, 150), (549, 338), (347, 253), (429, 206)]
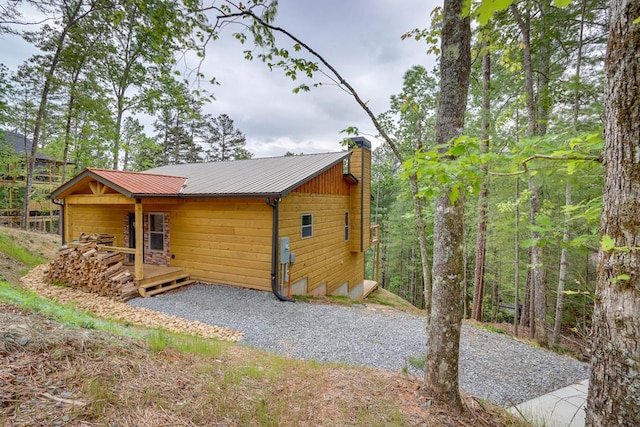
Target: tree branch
[(333, 71), (545, 157)]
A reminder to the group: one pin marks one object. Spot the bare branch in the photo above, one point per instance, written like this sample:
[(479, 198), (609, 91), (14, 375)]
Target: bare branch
[(349, 89)]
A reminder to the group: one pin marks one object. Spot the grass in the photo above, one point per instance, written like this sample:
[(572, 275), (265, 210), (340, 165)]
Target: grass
[(338, 299), (131, 374), (156, 339), (65, 314), (417, 362), (490, 328), (383, 297), (15, 251)]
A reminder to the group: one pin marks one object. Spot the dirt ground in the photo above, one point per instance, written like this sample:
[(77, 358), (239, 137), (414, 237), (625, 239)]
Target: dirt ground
[(60, 376), (45, 245), (55, 375)]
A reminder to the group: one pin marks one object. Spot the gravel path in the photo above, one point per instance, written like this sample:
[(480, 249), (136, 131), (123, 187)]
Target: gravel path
[(492, 366)]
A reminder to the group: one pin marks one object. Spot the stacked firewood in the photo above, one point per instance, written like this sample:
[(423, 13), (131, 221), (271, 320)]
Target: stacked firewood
[(90, 268), (100, 238)]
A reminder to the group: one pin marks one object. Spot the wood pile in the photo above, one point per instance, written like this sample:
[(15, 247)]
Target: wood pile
[(90, 268), (99, 238)]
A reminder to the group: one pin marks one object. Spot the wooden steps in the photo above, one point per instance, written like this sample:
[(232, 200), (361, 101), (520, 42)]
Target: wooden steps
[(164, 283)]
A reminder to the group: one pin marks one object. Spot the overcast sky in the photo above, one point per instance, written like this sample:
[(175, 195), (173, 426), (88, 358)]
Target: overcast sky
[(360, 38)]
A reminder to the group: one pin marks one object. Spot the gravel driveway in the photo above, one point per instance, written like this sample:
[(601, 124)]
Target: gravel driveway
[(492, 366)]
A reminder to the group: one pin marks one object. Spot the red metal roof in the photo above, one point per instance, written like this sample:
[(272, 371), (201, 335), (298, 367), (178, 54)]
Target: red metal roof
[(137, 183)]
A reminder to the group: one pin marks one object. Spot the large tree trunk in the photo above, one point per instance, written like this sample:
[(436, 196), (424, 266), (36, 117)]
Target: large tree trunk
[(539, 308), (614, 388), (481, 235), (443, 333)]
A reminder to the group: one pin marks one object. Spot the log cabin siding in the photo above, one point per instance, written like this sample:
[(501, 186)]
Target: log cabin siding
[(224, 241), (229, 240), (89, 219), (324, 258)]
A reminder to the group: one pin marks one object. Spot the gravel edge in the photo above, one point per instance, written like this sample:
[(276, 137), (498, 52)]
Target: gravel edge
[(492, 366)]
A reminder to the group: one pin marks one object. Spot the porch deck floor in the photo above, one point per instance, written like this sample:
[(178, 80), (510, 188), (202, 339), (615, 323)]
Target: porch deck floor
[(151, 271)]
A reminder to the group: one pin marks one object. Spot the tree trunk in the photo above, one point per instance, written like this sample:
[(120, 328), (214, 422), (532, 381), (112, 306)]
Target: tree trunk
[(539, 309), (537, 288), (71, 20), (35, 141), (422, 239), (443, 332), (495, 288), (614, 385), (481, 238), (516, 260), (562, 274), (565, 234)]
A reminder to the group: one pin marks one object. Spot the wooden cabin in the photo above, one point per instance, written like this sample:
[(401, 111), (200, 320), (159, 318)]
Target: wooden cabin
[(291, 225), (43, 214)]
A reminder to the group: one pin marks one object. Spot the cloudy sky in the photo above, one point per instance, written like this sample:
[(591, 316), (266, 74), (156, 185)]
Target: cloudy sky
[(360, 38)]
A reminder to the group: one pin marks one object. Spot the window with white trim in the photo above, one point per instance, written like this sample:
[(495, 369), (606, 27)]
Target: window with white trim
[(156, 232), (307, 225)]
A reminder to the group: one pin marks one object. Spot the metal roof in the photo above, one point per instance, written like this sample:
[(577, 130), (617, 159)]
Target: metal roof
[(135, 183), (21, 143), (272, 176), (130, 184)]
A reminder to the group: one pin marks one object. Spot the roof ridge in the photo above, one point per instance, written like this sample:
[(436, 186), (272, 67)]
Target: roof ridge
[(262, 158)]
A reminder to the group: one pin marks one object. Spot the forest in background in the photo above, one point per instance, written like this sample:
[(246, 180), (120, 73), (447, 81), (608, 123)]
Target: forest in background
[(532, 169), (534, 122), (536, 93)]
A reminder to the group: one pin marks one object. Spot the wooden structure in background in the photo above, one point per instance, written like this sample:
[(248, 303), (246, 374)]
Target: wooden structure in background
[(215, 222), (43, 213)]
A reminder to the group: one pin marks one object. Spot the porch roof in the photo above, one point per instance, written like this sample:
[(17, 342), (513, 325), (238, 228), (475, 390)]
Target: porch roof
[(130, 184)]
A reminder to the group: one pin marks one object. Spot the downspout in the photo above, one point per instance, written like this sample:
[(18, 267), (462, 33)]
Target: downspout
[(61, 220), (274, 251)]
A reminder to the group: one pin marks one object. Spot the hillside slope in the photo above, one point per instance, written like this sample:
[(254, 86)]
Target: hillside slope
[(59, 367)]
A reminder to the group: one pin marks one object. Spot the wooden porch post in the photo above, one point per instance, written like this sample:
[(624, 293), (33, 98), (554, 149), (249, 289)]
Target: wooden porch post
[(139, 266), (66, 222)]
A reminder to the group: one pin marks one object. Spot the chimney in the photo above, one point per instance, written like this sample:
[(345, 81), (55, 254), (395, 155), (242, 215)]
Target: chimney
[(360, 202)]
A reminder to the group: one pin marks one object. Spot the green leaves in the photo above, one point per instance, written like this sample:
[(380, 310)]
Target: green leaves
[(607, 243), (487, 8), (562, 3), (448, 169)]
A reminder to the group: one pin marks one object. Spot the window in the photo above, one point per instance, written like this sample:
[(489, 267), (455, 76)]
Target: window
[(345, 166), (346, 226), (307, 225), (156, 232)]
